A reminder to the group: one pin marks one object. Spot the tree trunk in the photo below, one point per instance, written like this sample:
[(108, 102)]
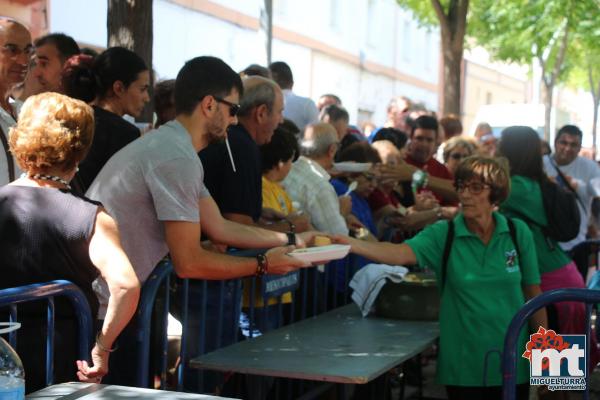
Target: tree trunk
[(595, 90), (452, 84), (453, 25), (129, 25), (549, 89)]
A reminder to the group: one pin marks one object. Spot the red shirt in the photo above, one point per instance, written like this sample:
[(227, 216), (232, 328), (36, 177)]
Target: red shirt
[(434, 168)]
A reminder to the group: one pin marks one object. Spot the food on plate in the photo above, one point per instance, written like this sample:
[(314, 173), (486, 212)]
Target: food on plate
[(322, 241)]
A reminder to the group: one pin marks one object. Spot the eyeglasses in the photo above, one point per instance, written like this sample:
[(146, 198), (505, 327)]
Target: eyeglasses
[(474, 187), (458, 156), (233, 108)]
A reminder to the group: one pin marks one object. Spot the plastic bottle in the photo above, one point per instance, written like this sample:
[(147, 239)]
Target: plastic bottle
[(12, 374)]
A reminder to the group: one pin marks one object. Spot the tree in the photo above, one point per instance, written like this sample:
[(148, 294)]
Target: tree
[(451, 16), (585, 58), (129, 25), (526, 30)]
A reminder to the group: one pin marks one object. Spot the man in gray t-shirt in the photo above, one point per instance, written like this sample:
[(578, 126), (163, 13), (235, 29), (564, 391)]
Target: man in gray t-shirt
[(153, 188)]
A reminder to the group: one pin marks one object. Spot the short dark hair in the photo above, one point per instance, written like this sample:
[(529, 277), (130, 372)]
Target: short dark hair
[(282, 74), (425, 122), (201, 77), (335, 113), (163, 98), (572, 130), (522, 146), (93, 78), (488, 170), (338, 101), (256, 70), (396, 136), (67, 46), (282, 147), (360, 152), (452, 125)]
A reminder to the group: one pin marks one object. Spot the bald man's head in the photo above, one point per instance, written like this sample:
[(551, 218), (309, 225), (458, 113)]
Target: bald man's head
[(15, 53)]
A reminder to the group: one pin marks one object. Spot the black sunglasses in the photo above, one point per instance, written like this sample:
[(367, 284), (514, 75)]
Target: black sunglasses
[(233, 108)]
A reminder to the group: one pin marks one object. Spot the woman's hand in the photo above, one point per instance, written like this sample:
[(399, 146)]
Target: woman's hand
[(93, 374)]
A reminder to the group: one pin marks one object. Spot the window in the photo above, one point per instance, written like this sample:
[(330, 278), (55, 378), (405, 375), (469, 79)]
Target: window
[(406, 41)]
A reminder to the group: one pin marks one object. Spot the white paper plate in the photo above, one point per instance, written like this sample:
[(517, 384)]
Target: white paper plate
[(352, 166), (322, 253)]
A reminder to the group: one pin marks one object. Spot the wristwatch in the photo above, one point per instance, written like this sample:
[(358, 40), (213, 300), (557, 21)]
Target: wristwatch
[(291, 238)]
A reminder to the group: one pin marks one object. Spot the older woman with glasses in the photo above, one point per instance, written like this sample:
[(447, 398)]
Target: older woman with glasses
[(486, 269), (51, 233), (456, 149)]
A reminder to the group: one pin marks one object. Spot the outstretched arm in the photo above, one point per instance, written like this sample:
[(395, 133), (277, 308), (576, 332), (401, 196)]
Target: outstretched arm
[(383, 252)]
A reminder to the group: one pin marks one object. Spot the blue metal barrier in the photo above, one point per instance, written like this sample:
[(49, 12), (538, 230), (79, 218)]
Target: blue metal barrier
[(511, 340), (23, 294), (314, 288)]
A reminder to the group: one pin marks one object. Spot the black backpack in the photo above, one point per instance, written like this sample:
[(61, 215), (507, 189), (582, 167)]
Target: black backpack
[(450, 239), (561, 210)]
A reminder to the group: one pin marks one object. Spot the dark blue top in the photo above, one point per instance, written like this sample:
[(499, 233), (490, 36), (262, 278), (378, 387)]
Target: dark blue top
[(237, 192), (360, 206)]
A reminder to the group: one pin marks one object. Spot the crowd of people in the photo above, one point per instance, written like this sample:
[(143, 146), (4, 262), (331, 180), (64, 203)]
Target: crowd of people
[(240, 160)]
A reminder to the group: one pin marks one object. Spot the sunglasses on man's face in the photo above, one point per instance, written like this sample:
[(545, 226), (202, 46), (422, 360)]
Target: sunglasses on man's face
[(233, 108)]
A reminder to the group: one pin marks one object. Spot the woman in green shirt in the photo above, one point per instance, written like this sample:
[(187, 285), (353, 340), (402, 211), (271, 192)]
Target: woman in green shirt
[(521, 145), (488, 277)]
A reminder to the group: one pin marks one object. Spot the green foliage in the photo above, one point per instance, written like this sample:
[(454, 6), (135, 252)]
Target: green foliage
[(423, 10)]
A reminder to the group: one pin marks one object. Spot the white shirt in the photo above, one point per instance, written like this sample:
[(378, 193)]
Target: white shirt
[(308, 184), (6, 122), (587, 175), (301, 110)]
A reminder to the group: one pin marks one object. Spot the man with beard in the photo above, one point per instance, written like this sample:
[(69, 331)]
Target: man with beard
[(154, 189), (15, 51)]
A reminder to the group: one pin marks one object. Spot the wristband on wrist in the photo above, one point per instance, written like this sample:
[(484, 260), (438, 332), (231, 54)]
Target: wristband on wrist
[(263, 264), (291, 238), (101, 346)]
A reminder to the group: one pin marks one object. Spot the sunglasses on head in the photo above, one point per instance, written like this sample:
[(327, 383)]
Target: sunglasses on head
[(233, 108)]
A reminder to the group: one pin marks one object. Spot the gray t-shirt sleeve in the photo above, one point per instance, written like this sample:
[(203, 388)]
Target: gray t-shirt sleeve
[(176, 187)]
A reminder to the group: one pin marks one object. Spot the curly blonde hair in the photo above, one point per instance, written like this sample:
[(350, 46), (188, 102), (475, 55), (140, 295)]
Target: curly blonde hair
[(54, 132)]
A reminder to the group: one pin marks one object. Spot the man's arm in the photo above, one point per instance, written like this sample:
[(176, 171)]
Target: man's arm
[(235, 234), (192, 261), (403, 173), (443, 188)]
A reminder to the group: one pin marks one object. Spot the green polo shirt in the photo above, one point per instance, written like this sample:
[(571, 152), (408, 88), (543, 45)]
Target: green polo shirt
[(525, 202), (482, 294)]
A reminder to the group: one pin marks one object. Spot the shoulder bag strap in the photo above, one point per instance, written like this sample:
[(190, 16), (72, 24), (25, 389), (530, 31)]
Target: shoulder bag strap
[(9, 159), (447, 249), (564, 178)]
